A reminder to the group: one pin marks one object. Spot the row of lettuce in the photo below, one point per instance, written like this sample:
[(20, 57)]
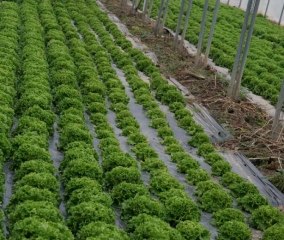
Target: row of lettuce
[(264, 68), (248, 196), (33, 206), (9, 43)]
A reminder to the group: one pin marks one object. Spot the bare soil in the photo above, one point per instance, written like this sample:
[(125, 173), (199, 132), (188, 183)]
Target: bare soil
[(250, 125)]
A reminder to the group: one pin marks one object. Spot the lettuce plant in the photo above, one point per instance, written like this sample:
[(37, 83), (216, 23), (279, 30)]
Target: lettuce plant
[(226, 215)]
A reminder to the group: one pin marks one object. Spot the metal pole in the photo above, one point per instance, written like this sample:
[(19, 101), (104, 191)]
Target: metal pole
[(148, 15), (211, 31), (239, 49), (159, 16), (266, 8), (228, 2), (145, 5), (179, 22), (201, 33), (244, 57), (186, 20), (164, 16), (278, 111), (280, 19), (240, 3)]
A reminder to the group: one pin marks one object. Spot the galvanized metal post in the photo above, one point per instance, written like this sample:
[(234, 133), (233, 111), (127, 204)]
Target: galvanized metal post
[(159, 17), (201, 32), (179, 22), (277, 112), (239, 49), (186, 20), (280, 19), (266, 8), (148, 13), (244, 57), (211, 31), (164, 17), (228, 2), (240, 3), (145, 5)]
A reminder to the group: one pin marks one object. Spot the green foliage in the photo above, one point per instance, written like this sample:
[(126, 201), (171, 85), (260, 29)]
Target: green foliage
[(165, 132), (123, 114), (125, 191), (205, 149), (219, 168), (88, 195), (234, 230), (213, 157), (162, 181), (179, 156), (241, 189), (175, 106), (193, 230), (70, 118), (173, 148), (37, 228), (205, 186), (136, 138), (151, 164), (118, 107), (122, 174), (39, 180), (44, 210), (265, 217), (28, 152), (169, 140), (68, 103), (198, 139), (227, 215), (141, 204), (97, 107), (275, 232), (159, 123), (5, 145), (98, 118), (180, 193), (101, 230), (26, 193), (230, 178), (82, 168), (251, 202), (118, 97), (214, 200), (34, 166), (186, 164), (129, 130), (117, 159), (183, 114), (108, 142), (128, 121), (155, 113), (88, 212), (80, 183), (143, 151), (179, 209), (195, 176), (150, 227)]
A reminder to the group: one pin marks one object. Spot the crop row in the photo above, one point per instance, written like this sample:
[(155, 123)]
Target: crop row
[(264, 68), (9, 63), (33, 206), (239, 188)]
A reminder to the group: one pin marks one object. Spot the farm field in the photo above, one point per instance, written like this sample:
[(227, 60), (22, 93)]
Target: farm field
[(264, 67), (89, 132)]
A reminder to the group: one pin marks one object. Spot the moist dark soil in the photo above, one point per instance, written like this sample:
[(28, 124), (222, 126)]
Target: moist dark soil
[(250, 125)]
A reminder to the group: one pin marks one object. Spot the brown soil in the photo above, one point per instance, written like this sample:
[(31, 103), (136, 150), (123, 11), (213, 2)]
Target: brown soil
[(250, 126)]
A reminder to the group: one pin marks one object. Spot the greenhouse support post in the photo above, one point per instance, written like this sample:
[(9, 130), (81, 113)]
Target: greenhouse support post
[(201, 32), (277, 112), (160, 23), (239, 49), (179, 22), (240, 3), (145, 5), (266, 8), (280, 19), (186, 20), (244, 57), (148, 12), (211, 31)]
